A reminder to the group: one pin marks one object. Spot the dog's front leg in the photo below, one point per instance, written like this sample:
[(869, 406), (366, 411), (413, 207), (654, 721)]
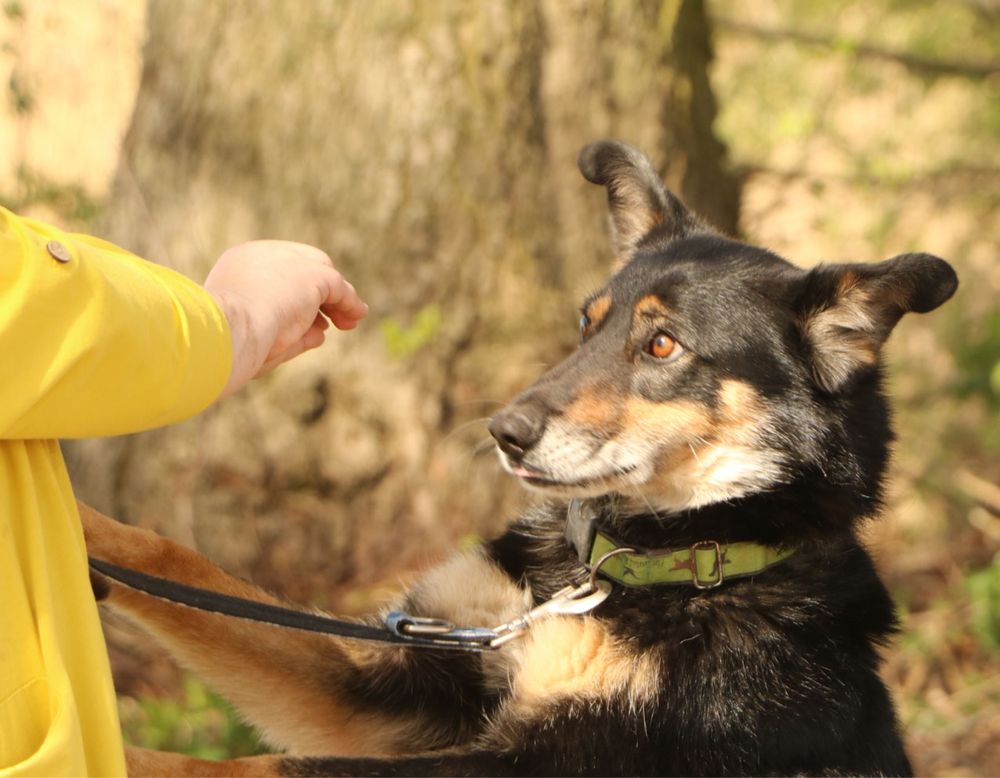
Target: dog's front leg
[(146, 763), (312, 693), (285, 681)]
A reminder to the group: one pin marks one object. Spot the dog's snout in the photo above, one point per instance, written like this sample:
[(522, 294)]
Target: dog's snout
[(518, 429)]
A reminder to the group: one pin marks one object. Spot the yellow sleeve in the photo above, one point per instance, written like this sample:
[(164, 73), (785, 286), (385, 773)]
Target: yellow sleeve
[(95, 341)]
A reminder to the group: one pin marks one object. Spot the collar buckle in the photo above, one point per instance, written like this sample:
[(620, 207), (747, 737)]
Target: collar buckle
[(696, 579)]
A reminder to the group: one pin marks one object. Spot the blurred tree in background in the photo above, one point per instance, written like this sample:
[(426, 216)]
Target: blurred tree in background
[(430, 148)]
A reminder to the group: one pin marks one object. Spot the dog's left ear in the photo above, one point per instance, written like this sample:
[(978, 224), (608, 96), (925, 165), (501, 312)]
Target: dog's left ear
[(846, 312), (637, 200)]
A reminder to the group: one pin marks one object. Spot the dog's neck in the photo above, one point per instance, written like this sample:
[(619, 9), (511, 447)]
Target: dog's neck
[(804, 510)]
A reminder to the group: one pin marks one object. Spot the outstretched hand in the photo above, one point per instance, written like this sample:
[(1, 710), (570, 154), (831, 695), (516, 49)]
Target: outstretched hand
[(279, 298)]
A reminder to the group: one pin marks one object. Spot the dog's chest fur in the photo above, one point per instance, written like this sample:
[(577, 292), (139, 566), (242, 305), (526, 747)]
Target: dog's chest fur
[(657, 675)]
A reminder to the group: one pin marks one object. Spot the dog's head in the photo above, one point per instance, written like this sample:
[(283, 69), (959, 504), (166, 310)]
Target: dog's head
[(709, 369)]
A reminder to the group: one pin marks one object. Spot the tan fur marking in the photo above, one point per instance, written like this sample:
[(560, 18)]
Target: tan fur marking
[(676, 419), (842, 336), (598, 308), (597, 409), (631, 214), (846, 283), (574, 656), (740, 402), (706, 455), (686, 425), (469, 590), (650, 306)]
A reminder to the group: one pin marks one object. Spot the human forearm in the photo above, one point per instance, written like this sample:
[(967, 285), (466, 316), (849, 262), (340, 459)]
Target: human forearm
[(104, 343)]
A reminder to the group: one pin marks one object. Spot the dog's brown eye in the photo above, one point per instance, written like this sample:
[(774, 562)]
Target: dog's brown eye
[(662, 346)]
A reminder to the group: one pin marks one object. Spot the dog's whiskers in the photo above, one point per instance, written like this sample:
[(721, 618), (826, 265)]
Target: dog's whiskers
[(463, 426), (479, 448), (619, 470), (484, 445)]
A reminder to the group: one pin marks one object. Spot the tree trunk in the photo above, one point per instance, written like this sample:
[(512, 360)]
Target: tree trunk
[(430, 149)]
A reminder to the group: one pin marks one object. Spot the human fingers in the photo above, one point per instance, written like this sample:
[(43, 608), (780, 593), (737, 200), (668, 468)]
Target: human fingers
[(342, 298), (314, 337), (341, 320)]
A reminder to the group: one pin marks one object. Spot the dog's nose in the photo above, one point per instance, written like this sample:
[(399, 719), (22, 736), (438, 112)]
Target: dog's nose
[(518, 429)]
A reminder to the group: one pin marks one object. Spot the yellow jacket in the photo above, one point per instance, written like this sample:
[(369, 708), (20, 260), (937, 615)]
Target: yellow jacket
[(93, 341)]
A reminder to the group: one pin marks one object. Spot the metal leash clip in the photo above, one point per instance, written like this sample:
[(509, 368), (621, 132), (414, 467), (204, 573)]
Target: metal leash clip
[(438, 632), (569, 601)]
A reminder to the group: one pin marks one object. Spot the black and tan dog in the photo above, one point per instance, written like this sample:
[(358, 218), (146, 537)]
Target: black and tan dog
[(724, 420)]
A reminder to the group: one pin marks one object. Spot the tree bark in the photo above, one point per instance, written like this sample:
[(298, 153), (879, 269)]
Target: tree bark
[(430, 149)]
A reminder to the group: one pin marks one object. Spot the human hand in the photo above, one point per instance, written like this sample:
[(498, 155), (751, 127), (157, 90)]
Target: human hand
[(279, 298)]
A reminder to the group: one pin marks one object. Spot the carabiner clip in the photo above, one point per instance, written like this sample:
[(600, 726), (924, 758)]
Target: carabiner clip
[(569, 601)]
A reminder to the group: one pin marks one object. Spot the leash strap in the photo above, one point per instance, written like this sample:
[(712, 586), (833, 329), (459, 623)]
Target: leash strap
[(396, 629)]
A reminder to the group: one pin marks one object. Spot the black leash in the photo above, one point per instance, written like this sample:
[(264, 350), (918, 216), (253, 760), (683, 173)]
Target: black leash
[(399, 627)]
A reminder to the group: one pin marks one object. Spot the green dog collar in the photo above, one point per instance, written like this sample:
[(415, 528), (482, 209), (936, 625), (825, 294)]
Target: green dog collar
[(704, 565)]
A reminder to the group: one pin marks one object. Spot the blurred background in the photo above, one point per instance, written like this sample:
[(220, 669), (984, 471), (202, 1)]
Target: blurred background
[(430, 148)]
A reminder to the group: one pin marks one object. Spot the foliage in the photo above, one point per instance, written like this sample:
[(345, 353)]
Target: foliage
[(198, 723), (977, 356), (13, 10), (402, 342), (71, 201), (21, 98), (984, 592)]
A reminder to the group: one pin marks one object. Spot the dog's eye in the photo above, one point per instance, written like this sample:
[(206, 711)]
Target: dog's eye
[(584, 324), (662, 346)]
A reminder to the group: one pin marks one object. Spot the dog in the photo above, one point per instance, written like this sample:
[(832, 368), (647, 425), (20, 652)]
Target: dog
[(707, 454)]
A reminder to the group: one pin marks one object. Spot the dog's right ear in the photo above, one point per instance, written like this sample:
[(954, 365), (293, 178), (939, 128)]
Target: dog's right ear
[(637, 200), (846, 312)]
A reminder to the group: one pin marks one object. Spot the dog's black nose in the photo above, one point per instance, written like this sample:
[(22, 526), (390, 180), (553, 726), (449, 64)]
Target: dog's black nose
[(518, 429)]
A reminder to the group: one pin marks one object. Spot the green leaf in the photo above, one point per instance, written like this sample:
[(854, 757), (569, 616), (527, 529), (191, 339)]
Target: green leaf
[(402, 342)]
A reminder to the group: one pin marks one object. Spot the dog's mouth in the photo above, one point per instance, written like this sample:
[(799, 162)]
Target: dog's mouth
[(542, 480)]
